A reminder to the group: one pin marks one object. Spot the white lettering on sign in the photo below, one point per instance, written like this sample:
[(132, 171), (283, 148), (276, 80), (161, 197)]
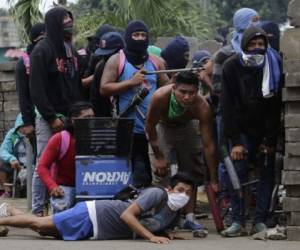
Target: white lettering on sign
[(105, 178)]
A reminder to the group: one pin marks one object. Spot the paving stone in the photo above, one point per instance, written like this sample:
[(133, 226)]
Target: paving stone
[(11, 106), (290, 177), (8, 66), (292, 134), (291, 94), (292, 149), (293, 233), (8, 86), (293, 219), (291, 204), (293, 191), (292, 121), (292, 79), (6, 76), (291, 163), (292, 108), (291, 66), (10, 96)]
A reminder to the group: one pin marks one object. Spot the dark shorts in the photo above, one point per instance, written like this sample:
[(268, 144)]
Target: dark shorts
[(74, 223)]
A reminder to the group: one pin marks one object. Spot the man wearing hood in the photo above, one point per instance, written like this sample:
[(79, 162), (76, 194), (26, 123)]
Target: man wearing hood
[(176, 53), (125, 82), (54, 85), (37, 33), (250, 108)]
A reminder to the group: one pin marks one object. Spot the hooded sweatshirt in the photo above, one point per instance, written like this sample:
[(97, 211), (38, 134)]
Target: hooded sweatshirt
[(54, 75), (12, 138), (244, 109)]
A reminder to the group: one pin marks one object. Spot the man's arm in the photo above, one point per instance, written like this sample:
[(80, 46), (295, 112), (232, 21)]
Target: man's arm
[(130, 217), (153, 117), (206, 127), (109, 85)]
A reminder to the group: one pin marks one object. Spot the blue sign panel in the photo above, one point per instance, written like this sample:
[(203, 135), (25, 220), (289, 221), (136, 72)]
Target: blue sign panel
[(101, 177)]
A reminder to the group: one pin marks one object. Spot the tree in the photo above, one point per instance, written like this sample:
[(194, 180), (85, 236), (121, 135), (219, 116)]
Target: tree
[(164, 17)]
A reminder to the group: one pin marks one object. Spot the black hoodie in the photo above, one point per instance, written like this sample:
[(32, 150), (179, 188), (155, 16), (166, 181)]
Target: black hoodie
[(244, 109), (54, 77)]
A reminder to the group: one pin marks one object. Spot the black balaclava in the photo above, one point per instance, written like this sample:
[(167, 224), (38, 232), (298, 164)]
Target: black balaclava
[(273, 32), (174, 52), (93, 41), (136, 51), (36, 31), (55, 29)]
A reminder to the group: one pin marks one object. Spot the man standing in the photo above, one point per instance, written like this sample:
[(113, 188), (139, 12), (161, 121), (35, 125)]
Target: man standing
[(250, 107), (124, 80), (171, 127), (54, 85)]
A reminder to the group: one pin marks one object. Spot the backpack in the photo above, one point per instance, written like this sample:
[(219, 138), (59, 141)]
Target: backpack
[(64, 146), (122, 59)]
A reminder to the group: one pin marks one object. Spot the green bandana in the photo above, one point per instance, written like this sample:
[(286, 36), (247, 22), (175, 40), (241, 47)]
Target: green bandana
[(175, 109)]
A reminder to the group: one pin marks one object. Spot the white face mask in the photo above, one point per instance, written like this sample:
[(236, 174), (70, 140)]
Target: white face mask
[(253, 59), (177, 200)]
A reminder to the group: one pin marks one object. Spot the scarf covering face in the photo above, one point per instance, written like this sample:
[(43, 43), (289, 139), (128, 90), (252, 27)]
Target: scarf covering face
[(242, 19), (255, 58), (174, 52), (136, 50), (175, 109), (273, 32)]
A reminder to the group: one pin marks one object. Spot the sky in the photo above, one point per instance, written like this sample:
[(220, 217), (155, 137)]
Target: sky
[(46, 4)]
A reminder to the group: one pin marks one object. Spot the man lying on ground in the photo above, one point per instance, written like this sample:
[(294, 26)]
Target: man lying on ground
[(154, 210)]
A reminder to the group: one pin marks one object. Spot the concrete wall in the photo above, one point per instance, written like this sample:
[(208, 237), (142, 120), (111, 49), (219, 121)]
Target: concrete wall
[(9, 106)]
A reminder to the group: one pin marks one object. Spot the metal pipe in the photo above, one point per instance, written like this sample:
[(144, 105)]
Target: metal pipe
[(172, 70)]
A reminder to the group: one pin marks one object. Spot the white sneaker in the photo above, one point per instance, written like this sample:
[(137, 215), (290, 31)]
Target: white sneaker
[(3, 210)]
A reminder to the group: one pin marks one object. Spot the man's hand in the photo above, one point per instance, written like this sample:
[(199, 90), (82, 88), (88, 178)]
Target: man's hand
[(57, 125), (215, 186), (238, 153), (161, 166), (138, 78), (15, 165), (159, 240), (57, 192), (28, 130)]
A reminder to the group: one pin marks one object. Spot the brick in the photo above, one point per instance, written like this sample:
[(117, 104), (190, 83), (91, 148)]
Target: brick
[(291, 163), (292, 134), (291, 204), (290, 94), (8, 66), (6, 76), (8, 86), (292, 108), (292, 149), (291, 66), (10, 105), (293, 191), (292, 121), (9, 124), (293, 233), (292, 79), (11, 116), (289, 44), (293, 219), (290, 177), (10, 96)]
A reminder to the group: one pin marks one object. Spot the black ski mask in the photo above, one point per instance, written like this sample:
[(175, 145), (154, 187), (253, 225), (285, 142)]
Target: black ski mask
[(136, 50)]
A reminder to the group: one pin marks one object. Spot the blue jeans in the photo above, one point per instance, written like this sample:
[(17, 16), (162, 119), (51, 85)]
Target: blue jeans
[(62, 203), (264, 187), (39, 190)]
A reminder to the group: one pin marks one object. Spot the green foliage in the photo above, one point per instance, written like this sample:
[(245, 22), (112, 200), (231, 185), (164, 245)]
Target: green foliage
[(164, 18), (3, 12), (25, 13)]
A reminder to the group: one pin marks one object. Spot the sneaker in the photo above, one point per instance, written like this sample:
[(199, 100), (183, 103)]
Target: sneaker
[(259, 227), (234, 230), (192, 225), (3, 210)]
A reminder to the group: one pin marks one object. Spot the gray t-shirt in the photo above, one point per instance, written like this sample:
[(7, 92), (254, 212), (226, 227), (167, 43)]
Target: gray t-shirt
[(108, 225)]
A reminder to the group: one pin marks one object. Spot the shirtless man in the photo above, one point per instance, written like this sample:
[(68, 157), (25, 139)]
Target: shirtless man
[(175, 114)]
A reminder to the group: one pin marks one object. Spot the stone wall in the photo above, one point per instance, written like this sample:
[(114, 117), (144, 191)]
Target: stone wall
[(9, 106), (290, 46)]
